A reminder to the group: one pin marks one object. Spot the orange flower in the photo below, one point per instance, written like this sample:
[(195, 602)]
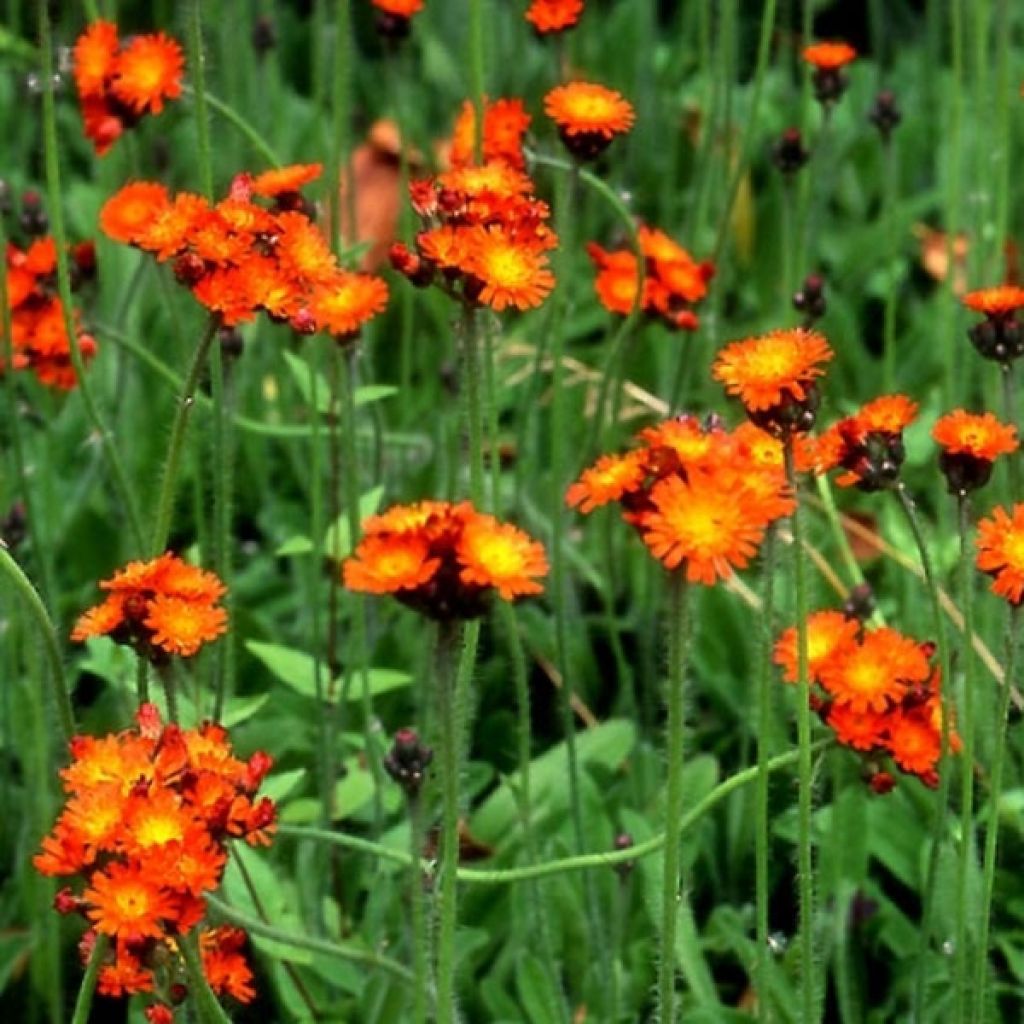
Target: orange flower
[(125, 977), (829, 56), (777, 368), (182, 627), (125, 902), (609, 479), (1001, 551), (93, 58), (348, 301), (512, 274), (981, 436), (999, 301), (889, 414), (584, 108), (388, 564), (829, 634), (399, 8), (505, 124), (694, 521), (862, 730), (279, 180), (129, 213), (499, 555), (914, 741), (148, 72), (877, 672), (554, 15), (223, 964)]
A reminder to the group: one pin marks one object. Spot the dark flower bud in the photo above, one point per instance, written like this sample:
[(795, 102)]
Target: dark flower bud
[(860, 602), (829, 85), (33, 218), (810, 299), (264, 36), (407, 761), (232, 344), (885, 114), (624, 841), (881, 783), (789, 153)]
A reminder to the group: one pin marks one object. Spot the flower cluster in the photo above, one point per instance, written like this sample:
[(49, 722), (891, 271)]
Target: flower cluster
[(240, 258), (161, 607), (868, 444), (588, 117), (547, 16), (39, 338), (149, 814), (444, 560), (877, 689), (485, 235), (774, 376), (697, 493), (120, 83), (673, 280)]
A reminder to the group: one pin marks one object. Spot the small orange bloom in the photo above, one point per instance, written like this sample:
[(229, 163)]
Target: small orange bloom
[(501, 556), (512, 274), (93, 58), (148, 72), (554, 15), (609, 479), (1001, 551), (129, 213), (387, 564), (223, 964), (182, 627), (345, 303), (914, 741), (829, 56), (829, 634), (125, 902), (284, 179), (1001, 300), (399, 8), (505, 124), (862, 730), (584, 108)]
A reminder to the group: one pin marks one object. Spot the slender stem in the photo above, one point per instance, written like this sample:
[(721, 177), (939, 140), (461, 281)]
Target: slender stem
[(233, 117), (83, 1004), (169, 482), (490, 417), (448, 749), (56, 212), (1008, 378), (581, 862), (33, 603), (476, 74), (764, 723), (197, 67), (208, 1009), (418, 912), (966, 757), (474, 410), (677, 628), (351, 954), (942, 791), (805, 865), (978, 1015), (142, 680), (890, 201)]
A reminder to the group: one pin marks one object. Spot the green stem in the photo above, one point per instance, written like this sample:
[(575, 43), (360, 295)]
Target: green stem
[(603, 859), (448, 750), (764, 725), (208, 1009), (168, 485), (1008, 378), (490, 417), (341, 111), (34, 604), (805, 864), (56, 212), (234, 118), (142, 680), (418, 912), (476, 74), (474, 410), (83, 1004), (890, 201), (930, 892), (966, 756), (992, 825), (197, 67), (350, 954), (677, 628)]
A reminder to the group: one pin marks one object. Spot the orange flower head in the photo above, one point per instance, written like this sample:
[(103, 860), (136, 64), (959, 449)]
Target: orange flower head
[(774, 376), (547, 16), (588, 116), (610, 479), (999, 301), (348, 301), (970, 445), (1001, 551), (505, 124), (862, 730), (914, 742), (224, 965), (501, 556), (124, 977), (829, 635), (695, 522), (181, 627), (281, 180), (93, 59), (876, 673), (129, 213), (510, 272), (389, 564), (829, 56), (127, 903), (998, 337), (148, 72)]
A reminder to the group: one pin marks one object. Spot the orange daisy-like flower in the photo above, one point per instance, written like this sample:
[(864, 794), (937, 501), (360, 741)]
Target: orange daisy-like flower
[(554, 15), (693, 522), (830, 56), (999, 301), (1001, 551), (127, 903), (280, 180), (609, 479), (160, 607), (223, 964), (129, 213), (347, 302), (914, 741), (773, 370), (862, 730), (93, 58), (829, 634), (970, 445), (501, 556), (387, 564), (889, 414), (148, 72), (585, 108), (512, 274), (399, 8), (505, 124), (873, 675)]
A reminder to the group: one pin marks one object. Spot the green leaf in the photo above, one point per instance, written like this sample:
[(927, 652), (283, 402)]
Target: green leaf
[(278, 786), (536, 990), (337, 540), (351, 792)]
